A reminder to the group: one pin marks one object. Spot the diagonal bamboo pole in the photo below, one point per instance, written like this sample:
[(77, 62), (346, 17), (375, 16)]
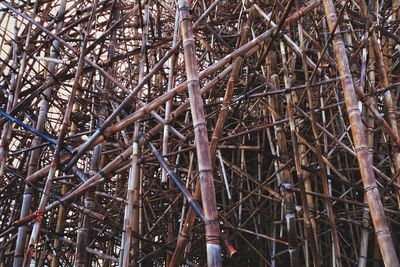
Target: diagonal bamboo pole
[(389, 105), (373, 196)]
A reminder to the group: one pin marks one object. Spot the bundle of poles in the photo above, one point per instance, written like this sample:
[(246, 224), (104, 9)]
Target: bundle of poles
[(199, 133)]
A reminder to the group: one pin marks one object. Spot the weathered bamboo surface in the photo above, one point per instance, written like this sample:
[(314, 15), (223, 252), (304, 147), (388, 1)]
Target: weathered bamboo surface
[(199, 133)]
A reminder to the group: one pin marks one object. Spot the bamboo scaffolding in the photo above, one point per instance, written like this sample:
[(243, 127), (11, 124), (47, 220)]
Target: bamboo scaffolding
[(194, 133)]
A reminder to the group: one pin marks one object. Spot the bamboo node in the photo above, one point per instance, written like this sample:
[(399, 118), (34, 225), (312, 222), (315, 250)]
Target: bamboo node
[(185, 236), (360, 148), (185, 8), (286, 186), (101, 131), (103, 174), (382, 232), (213, 239), (370, 187), (211, 222), (349, 111)]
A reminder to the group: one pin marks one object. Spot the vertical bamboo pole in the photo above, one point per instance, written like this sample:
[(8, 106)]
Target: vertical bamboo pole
[(170, 86), (82, 258), (370, 125), (287, 181), (367, 174), (201, 139), (132, 216), (165, 140), (55, 261), (183, 237)]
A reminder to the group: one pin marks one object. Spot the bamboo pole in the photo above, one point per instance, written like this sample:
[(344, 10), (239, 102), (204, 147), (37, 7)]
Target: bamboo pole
[(363, 251), (183, 236), (286, 180), (202, 145), (131, 218), (373, 196)]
